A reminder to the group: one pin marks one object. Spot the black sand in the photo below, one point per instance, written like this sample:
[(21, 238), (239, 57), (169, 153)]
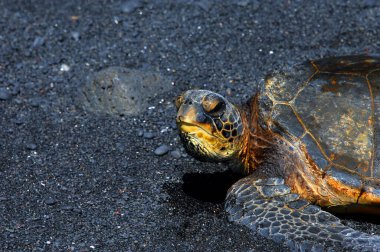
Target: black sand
[(72, 180)]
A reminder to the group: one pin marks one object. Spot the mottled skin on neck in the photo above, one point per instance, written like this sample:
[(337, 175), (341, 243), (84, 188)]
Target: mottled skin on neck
[(255, 141)]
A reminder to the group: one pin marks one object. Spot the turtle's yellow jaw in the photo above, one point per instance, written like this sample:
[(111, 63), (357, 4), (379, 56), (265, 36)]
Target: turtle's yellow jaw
[(209, 125)]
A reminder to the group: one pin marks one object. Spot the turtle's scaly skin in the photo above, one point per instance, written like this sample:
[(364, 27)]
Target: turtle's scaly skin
[(269, 207), (314, 131)]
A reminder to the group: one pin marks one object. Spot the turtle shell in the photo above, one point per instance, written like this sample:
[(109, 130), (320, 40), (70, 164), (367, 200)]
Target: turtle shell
[(332, 107)]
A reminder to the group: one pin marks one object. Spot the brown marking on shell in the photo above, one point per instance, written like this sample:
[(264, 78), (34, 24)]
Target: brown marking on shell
[(370, 193), (371, 122), (369, 198), (307, 180), (334, 88), (340, 193)]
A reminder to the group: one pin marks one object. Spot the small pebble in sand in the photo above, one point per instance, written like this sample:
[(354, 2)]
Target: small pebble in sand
[(162, 150)]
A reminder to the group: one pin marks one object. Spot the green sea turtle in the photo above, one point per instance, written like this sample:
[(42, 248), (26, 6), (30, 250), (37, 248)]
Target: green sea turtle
[(309, 139)]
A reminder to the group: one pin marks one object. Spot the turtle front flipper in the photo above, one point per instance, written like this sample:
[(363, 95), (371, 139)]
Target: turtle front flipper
[(269, 207)]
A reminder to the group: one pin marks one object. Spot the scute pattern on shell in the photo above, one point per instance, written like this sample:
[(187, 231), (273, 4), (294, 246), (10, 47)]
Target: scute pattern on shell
[(332, 107)]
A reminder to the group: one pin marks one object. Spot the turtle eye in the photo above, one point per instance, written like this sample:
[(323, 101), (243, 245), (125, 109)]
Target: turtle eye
[(213, 105), (178, 101)]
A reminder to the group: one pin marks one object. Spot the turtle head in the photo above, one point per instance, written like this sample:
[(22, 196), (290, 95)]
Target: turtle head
[(210, 126)]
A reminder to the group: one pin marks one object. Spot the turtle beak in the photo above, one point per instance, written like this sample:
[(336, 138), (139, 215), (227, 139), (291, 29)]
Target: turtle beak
[(191, 115), (186, 114)]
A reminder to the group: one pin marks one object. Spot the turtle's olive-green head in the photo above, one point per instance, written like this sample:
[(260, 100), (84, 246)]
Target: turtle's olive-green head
[(210, 126)]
